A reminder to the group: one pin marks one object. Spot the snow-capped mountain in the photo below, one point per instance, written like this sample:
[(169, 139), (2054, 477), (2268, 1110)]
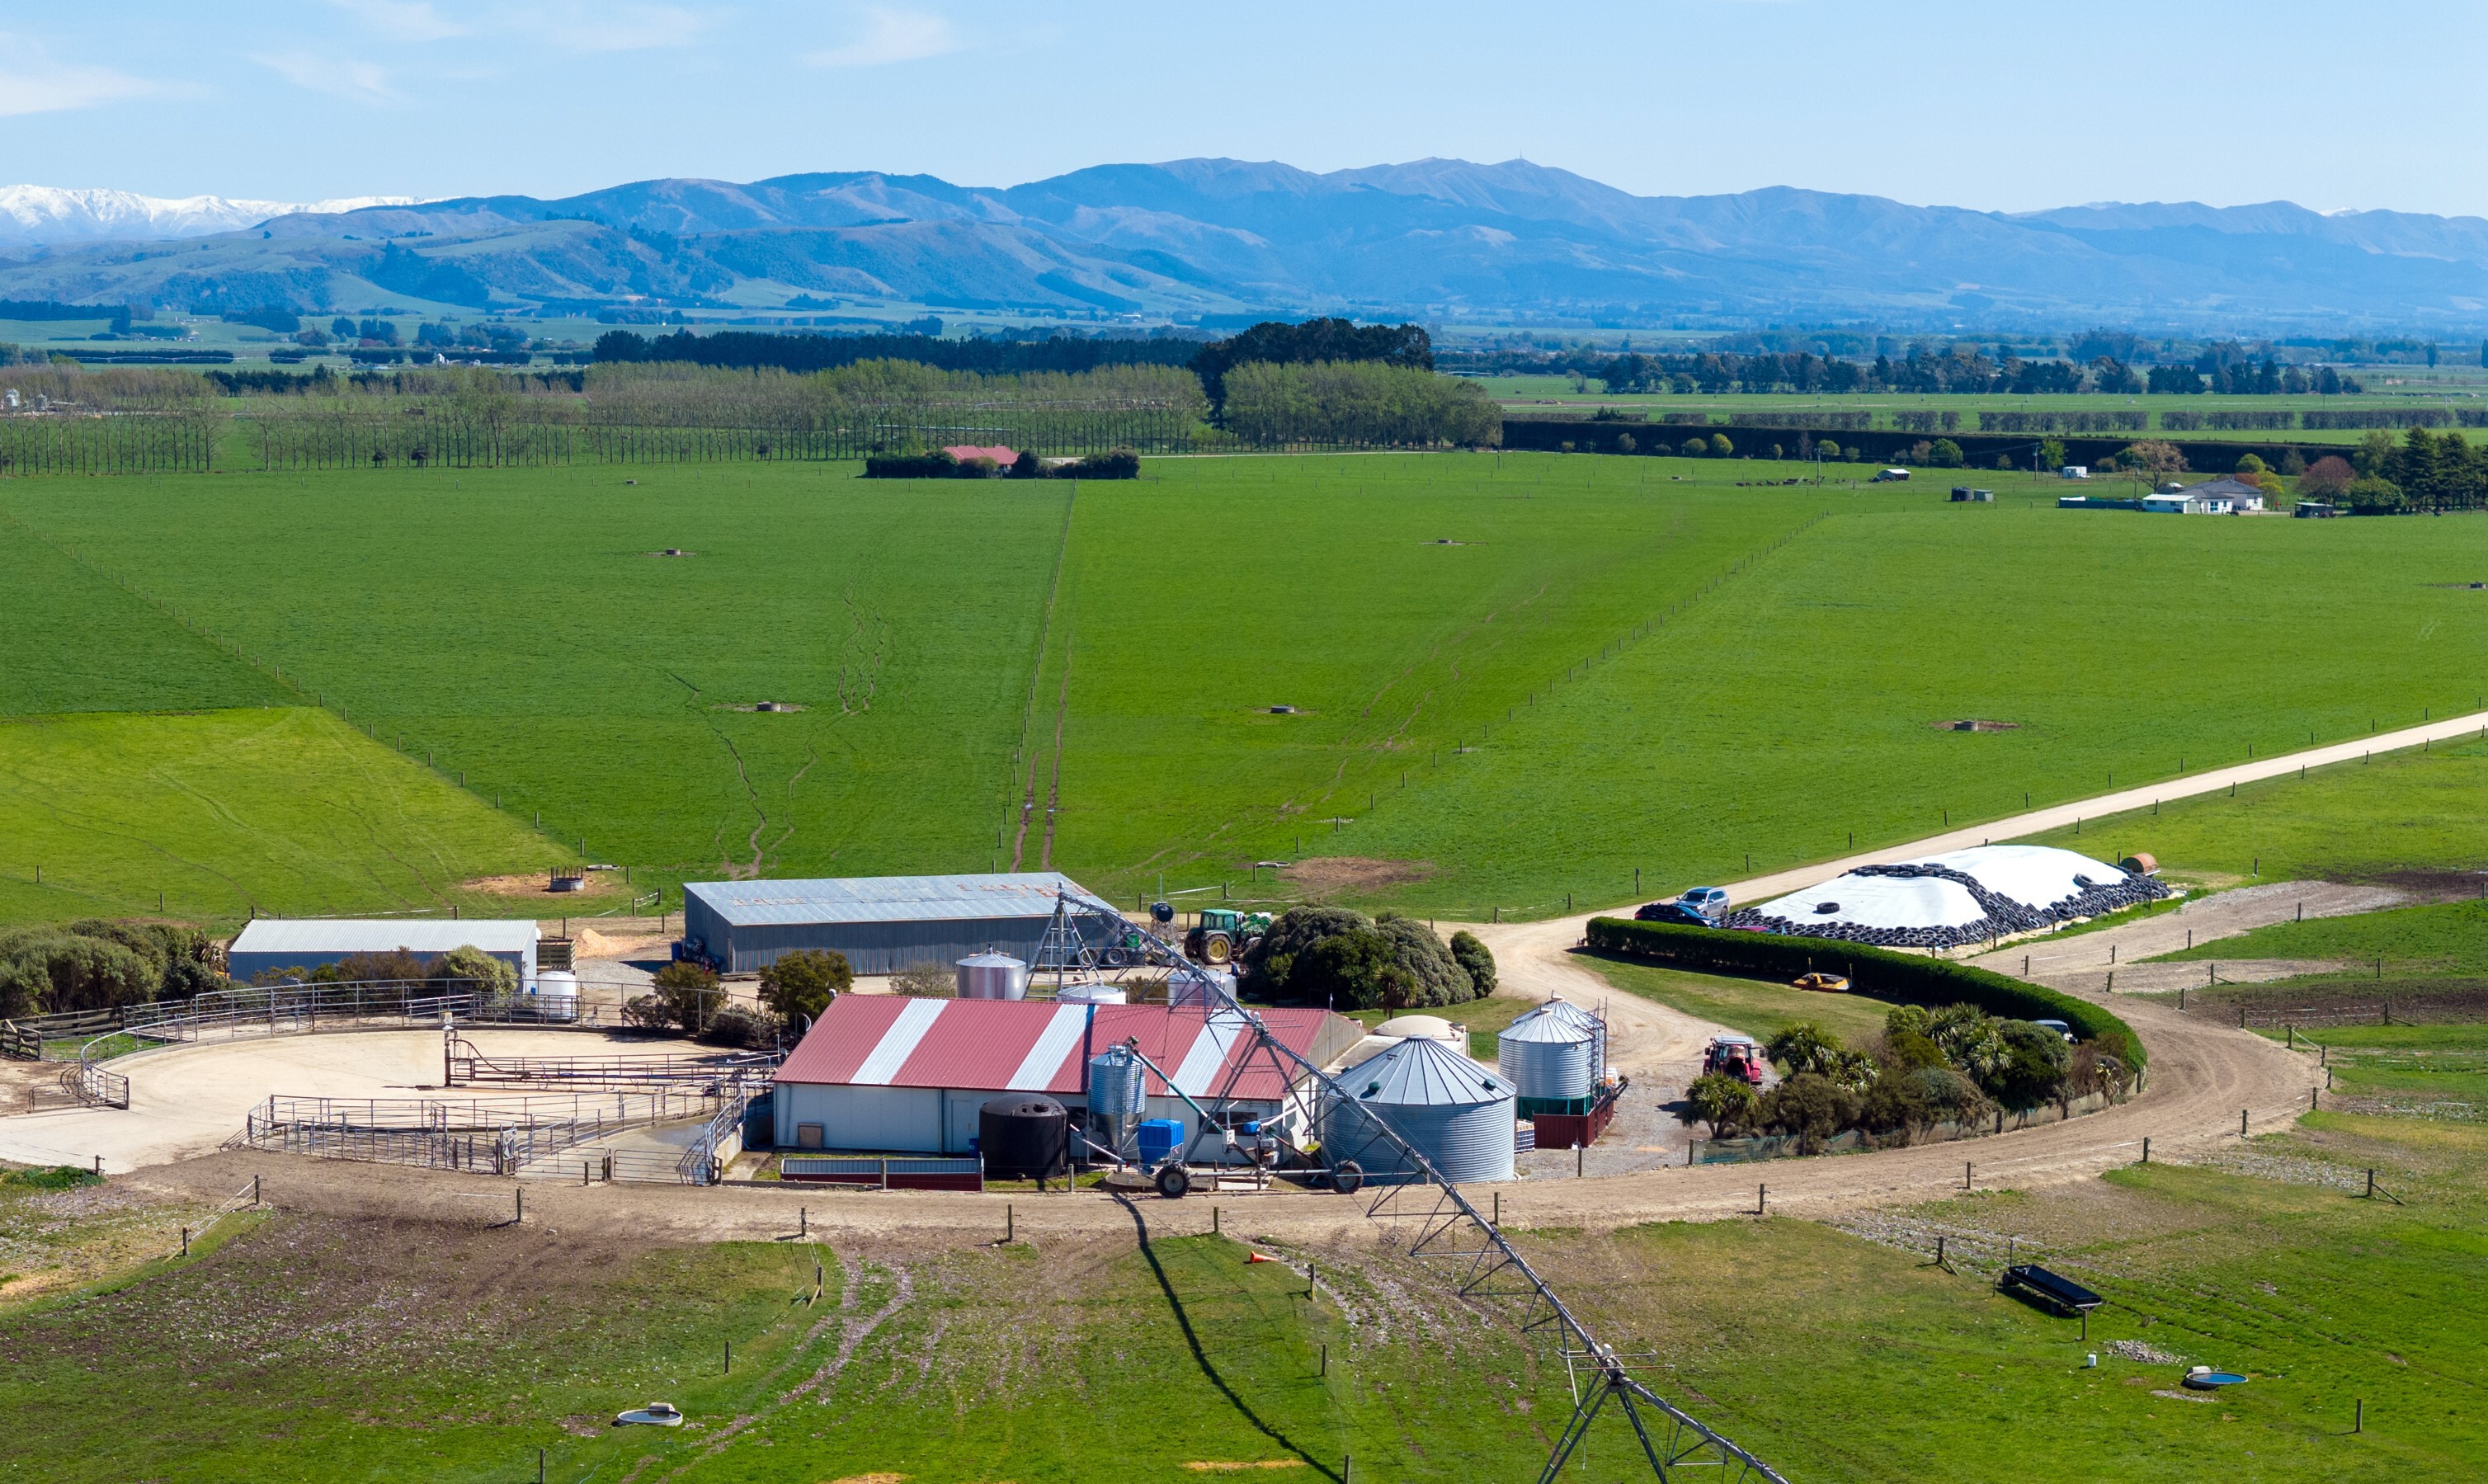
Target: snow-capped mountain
[(51, 213)]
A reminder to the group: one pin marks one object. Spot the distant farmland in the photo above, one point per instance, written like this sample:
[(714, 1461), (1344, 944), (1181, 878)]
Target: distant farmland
[(1579, 666)]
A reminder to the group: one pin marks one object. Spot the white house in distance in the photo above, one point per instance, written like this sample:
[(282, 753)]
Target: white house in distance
[(308, 942), (2240, 496)]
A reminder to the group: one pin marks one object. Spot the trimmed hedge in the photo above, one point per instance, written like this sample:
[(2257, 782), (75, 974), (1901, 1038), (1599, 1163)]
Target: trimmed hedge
[(1903, 976)]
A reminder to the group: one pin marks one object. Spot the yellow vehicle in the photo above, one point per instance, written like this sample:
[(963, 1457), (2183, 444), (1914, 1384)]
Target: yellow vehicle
[(1828, 984)]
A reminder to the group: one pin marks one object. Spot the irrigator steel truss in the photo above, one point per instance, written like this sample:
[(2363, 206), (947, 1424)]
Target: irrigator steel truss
[(1671, 1440), (1072, 949)]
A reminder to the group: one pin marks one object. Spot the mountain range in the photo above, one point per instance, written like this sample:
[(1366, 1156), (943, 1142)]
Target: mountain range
[(50, 213), (1215, 239)]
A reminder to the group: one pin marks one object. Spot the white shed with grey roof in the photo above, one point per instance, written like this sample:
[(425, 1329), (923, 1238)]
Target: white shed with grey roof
[(885, 923), (308, 942)]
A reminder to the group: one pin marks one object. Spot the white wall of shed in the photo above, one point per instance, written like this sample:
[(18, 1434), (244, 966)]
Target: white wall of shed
[(897, 1120)]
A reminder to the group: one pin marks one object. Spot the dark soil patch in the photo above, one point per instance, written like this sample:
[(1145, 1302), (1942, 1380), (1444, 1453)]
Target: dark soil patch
[(1353, 875), (2425, 885)]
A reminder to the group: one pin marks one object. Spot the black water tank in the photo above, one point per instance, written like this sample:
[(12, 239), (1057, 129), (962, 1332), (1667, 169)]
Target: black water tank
[(1024, 1136)]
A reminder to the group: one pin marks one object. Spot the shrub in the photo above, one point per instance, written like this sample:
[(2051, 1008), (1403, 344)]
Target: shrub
[(1946, 454), (1901, 976), (51, 971), (690, 993), (926, 979), (2373, 493), (395, 966), (1435, 976), (1804, 1046), (55, 1177), (979, 467), (1720, 447), (940, 464), (1811, 1107), (1028, 465), (1269, 967), (1120, 464), (801, 984), (470, 969), (2327, 477), (1350, 970), (1917, 1099), (2250, 463), (1827, 449), (1695, 448), (1625, 443), (1474, 956), (2033, 1067), (1725, 1102), (648, 1012), (2095, 1071), (739, 1027)]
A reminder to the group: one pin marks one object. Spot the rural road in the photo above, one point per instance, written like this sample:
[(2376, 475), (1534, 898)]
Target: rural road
[(2202, 1077)]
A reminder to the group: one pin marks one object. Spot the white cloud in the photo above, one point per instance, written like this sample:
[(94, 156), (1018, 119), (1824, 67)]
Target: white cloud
[(403, 21), (32, 82), (613, 27), (337, 77), (891, 35)]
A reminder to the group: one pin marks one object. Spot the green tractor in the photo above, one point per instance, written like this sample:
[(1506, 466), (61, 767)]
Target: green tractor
[(1222, 936)]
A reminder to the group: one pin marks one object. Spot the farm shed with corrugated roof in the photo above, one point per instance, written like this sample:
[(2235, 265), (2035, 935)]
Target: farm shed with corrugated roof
[(885, 923), (888, 1074)]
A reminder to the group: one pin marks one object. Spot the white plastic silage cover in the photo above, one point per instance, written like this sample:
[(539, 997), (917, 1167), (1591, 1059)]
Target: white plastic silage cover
[(1879, 902), (2037, 875)]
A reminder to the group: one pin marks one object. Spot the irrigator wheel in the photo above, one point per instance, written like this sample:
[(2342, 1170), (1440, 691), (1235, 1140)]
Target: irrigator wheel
[(1348, 1177), (1174, 1182)]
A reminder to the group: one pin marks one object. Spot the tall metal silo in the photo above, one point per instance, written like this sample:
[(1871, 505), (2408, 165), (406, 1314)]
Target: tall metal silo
[(1593, 1025), (1547, 1059), (1459, 1115)]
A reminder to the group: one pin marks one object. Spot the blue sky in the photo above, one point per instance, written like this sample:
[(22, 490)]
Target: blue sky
[(2006, 106)]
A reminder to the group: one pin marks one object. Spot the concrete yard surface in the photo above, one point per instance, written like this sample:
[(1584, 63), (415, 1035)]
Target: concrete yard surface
[(187, 1099)]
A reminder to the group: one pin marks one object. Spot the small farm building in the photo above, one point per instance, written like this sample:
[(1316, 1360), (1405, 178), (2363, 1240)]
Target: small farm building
[(884, 923), (998, 454), (1959, 897), (2239, 494), (272, 942), (885, 1074)]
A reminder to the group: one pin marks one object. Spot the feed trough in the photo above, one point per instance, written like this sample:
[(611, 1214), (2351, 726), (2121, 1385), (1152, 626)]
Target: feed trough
[(654, 1415), (2203, 1378)]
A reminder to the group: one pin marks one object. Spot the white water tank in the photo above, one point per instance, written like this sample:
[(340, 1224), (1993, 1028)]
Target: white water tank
[(992, 976)]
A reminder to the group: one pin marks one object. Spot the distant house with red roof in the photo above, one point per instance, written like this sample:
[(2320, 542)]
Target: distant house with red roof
[(963, 452), (887, 1074)]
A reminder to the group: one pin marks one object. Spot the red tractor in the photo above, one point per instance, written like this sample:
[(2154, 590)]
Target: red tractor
[(1738, 1056)]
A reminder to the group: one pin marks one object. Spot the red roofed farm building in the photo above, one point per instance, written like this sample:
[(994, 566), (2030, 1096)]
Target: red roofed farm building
[(891, 1075)]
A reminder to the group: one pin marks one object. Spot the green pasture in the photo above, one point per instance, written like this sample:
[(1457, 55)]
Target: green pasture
[(312, 1349), (1518, 680), (2439, 937), (212, 815), (1761, 1008), (2408, 811)]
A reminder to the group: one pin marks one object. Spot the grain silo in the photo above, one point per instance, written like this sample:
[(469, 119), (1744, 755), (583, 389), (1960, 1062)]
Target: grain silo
[(1546, 1059), (1459, 1115)]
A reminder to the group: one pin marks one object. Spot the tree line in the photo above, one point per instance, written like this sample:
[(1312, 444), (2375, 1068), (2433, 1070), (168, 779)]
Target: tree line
[(752, 350), (1955, 371)]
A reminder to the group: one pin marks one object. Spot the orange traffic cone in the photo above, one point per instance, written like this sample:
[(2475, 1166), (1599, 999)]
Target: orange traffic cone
[(1259, 1257)]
